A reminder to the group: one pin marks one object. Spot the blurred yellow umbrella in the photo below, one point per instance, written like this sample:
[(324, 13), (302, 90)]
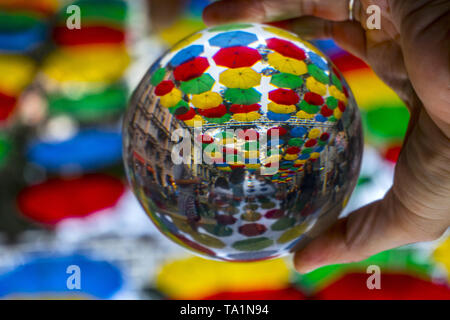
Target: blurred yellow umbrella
[(286, 64), (206, 100), (242, 78)]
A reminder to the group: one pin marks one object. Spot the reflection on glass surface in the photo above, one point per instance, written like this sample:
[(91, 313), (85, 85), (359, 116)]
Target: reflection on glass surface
[(277, 130)]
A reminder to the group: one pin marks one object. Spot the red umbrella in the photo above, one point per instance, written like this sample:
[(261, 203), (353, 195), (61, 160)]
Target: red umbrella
[(236, 57), (286, 48), (293, 150), (186, 116), (325, 111), (252, 229), (310, 143), (191, 69), (248, 134), (205, 138), (88, 35), (281, 131), (313, 98), (58, 199), (7, 105), (241, 108), (216, 112), (284, 96), (164, 88), (393, 287), (341, 106)]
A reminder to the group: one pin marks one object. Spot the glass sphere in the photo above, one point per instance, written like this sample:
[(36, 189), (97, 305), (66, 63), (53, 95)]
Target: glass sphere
[(242, 142)]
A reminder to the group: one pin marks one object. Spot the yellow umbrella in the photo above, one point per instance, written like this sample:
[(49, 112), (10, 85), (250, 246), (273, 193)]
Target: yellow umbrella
[(314, 133), (336, 93), (246, 117), (171, 99), (300, 161), (251, 154), (17, 71), (241, 78), (281, 108), (315, 86), (337, 113), (304, 115), (196, 121), (253, 165), (206, 100), (314, 155), (291, 156), (286, 64)]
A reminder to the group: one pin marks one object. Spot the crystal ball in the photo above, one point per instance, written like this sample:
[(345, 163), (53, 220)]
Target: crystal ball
[(242, 142)]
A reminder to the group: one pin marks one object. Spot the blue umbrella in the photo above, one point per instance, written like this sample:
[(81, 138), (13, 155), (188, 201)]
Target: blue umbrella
[(186, 54), (233, 39), (318, 61), (90, 149), (278, 116), (48, 275)]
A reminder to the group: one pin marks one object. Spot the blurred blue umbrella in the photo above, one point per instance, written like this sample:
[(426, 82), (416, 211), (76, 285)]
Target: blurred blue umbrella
[(232, 39), (47, 276)]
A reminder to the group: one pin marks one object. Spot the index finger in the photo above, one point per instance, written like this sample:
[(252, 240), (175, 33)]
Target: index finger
[(271, 10)]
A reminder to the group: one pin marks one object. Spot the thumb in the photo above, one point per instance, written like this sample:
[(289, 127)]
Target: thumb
[(378, 226)]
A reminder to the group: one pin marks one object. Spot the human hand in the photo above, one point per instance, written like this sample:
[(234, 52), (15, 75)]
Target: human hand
[(411, 54)]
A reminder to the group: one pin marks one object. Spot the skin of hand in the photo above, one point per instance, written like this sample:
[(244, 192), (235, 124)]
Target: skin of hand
[(411, 54)]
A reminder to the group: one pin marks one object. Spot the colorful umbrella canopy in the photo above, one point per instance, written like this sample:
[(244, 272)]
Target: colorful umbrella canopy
[(233, 39), (242, 96), (191, 69), (186, 54), (198, 85), (286, 48), (237, 57), (286, 80), (242, 78), (286, 64)]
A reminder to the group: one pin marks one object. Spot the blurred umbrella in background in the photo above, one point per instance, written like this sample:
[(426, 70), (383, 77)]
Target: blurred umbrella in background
[(46, 277)]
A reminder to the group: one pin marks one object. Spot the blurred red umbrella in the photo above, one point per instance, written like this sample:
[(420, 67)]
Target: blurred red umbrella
[(191, 69), (313, 98), (58, 199), (284, 96), (286, 48), (186, 116), (237, 57), (393, 287), (288, 293)]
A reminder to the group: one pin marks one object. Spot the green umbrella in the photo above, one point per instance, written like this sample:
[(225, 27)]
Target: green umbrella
[(221, 120), (252, 145), (332, 102), (318, 74), (158, 76), (336, 82), (242, 96), (5, 148), (198, 85), (111, 101), (286, 80), (308, 108), (295, 142)]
